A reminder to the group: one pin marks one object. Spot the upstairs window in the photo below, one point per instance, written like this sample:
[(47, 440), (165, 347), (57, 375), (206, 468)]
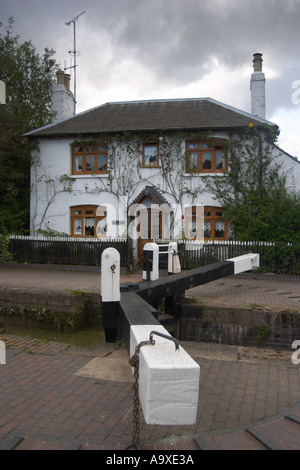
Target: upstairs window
[(206, 156), (150, 154), (89, 159)]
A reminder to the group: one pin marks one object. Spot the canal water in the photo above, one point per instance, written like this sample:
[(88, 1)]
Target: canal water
[(85, 337)]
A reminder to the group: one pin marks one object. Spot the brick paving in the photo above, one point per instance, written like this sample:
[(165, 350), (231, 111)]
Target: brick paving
[(275, 293), (43, 400), (45, 404)]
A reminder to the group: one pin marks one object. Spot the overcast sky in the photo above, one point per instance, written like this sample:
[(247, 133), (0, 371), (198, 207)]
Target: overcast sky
[(162, 49)]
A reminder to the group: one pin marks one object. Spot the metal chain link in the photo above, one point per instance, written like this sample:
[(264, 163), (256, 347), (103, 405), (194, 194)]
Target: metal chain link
[(135, 362)]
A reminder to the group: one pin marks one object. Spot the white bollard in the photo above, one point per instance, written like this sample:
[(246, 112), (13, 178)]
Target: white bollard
[(2, 353), (151, 262), (173, 259), (110, 275), (110, 293), (168, 380)]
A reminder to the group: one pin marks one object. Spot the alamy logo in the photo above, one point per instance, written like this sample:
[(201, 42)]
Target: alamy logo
[(296, 93), (2, 353), (296, 354)]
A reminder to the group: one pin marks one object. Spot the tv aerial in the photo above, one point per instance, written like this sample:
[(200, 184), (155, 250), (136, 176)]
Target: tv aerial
[(75, 53)]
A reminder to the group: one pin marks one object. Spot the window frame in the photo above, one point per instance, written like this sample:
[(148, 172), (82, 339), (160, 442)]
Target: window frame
[(213, 218), (83, 215), (84, 154), (214, 146), (150, 144)]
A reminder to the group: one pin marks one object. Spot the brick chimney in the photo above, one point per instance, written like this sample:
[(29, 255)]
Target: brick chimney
[(63, 103), (258, 88)]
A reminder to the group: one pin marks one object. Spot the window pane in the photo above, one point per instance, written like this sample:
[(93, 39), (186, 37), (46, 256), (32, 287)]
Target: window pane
[(220, 161), (101, 227), (101, 162), (101, 211), (219, 229), (150, 155), (193, 146), (78, 163), (192, 229), (90, 149), (207, 229), (101, 148), (77, 227), (89, 226), (193, 161), (78, 149), (90, 163), (206, 161)]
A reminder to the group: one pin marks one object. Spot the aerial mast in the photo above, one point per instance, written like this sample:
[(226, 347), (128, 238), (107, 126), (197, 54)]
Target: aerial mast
[(74, 52)]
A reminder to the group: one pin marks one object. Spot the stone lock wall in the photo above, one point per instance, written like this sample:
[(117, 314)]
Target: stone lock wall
[(65, 311), (239, 326)]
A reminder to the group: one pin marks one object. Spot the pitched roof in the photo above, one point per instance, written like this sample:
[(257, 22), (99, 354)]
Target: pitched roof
[(153, 115)]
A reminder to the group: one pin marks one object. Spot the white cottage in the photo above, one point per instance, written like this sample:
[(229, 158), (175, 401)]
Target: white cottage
[(136, 168)]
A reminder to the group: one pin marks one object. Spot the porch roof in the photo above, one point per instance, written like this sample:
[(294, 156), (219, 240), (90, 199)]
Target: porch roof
[(152, 193)]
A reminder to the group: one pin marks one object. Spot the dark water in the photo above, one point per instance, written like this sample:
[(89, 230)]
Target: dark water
[(81, 338)]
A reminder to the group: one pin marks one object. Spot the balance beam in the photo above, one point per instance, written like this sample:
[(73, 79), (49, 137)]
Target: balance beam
[(168, 380)]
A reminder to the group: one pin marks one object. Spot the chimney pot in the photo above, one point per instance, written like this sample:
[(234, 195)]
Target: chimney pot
[(257, 62), (60, 76), (67, 78)]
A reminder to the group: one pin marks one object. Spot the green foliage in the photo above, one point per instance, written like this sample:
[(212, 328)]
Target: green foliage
[(263, 332), (5, 255), (257, 204), (29, 78)]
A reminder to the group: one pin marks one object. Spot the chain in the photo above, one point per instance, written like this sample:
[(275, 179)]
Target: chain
[(134, 361)]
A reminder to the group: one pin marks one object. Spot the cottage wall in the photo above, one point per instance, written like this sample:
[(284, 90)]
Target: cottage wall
[(55, 190)]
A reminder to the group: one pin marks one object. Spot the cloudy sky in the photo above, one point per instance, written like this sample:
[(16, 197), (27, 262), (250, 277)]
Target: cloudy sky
[(163, 49)]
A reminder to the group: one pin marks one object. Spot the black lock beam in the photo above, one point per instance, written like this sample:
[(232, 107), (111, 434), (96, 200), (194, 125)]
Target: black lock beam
[(135, 308), (179, 283)]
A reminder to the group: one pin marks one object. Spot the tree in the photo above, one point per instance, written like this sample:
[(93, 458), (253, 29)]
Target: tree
[(257, 204), (29, 78)]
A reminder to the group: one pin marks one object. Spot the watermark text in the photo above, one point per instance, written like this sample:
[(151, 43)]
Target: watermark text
[(296, 93)]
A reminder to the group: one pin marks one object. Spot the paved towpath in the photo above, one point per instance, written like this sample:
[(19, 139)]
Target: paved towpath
[(275, 292), (53, 396)]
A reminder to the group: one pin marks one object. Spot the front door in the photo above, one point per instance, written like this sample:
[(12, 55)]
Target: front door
[(149, 228)]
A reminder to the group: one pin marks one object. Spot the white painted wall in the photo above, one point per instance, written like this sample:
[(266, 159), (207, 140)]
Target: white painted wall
[(290, 167)]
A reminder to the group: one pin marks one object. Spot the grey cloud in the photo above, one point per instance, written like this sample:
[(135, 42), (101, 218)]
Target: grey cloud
[(174, 39)]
